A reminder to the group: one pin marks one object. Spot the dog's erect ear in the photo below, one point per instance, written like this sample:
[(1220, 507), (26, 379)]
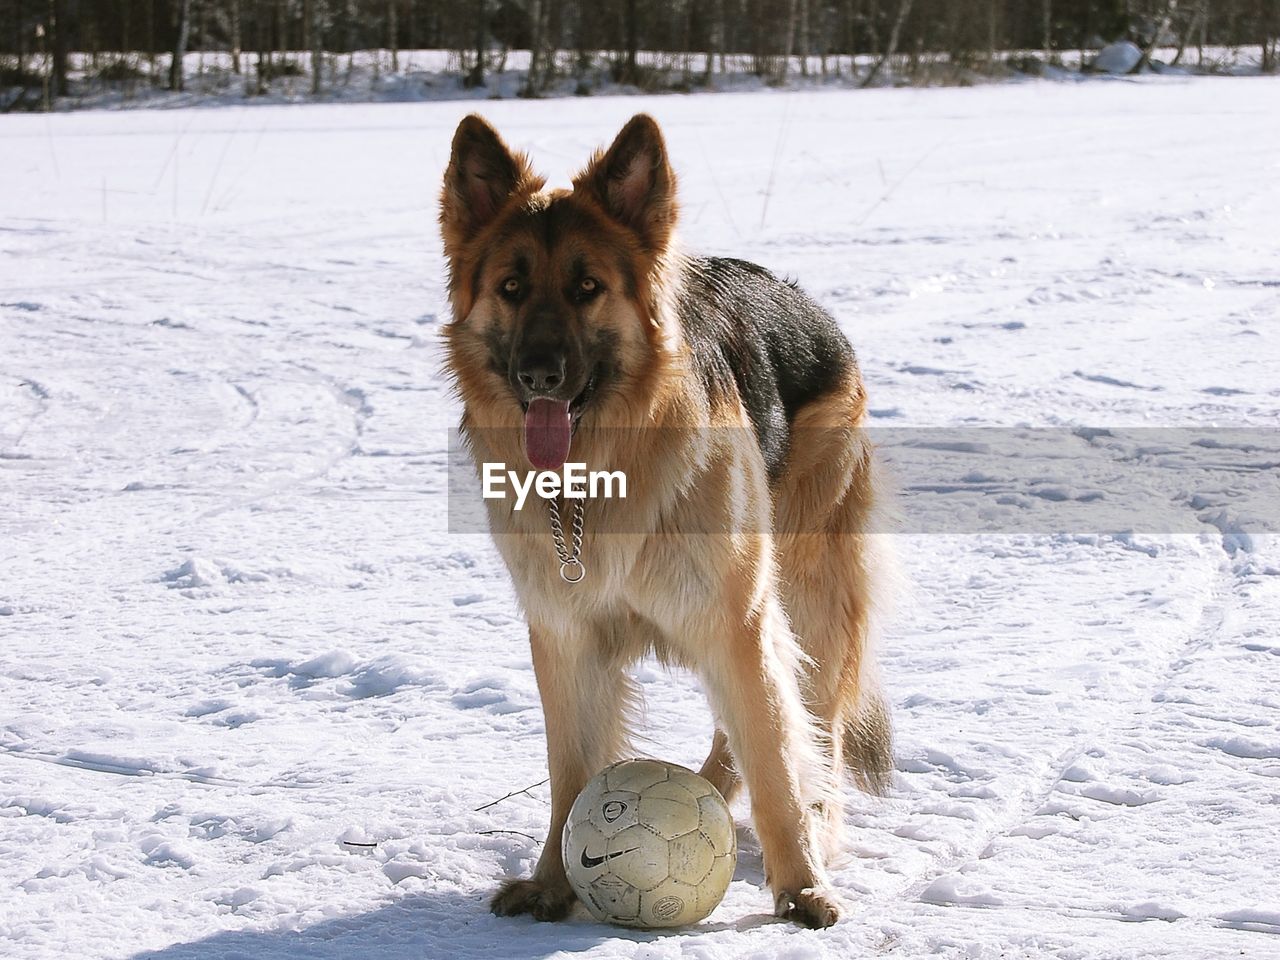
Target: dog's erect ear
[(634, 183), (483, 174)]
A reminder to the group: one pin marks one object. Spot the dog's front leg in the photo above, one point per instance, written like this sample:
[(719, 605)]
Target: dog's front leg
[(583, 699), (752, 677)]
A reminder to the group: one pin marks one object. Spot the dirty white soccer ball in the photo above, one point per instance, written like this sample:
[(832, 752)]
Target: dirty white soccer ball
[(650, 844)]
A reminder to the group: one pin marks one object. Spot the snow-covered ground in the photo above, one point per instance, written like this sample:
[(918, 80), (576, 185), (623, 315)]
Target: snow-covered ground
[(236, 638)]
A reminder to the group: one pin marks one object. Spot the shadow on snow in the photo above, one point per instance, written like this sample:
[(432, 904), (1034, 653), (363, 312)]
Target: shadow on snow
[(432, 926)]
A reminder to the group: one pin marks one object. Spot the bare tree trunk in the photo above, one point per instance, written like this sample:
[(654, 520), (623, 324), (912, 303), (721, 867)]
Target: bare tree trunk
[(1170, 7), (632, 25), (804, 37), (1084, 36), (686, 43), (843, 36), (264, 62), (715, 42), (182, 25), (200, 42), (890, 48), (89, 38), (19, 40), (316, 27), (1184, 35), (393, 30), (550, 42), (537, 18), (873, 31), (280, 43), (992, 29), (789, 44), (725, 36), (46, 75), (235, 36), (817, 20), (1201, 39), (349, 39), (126, 47), (850, 40), (60, 16), (1268, 27), (476, 77), (151, 41), (722, 35), (1046, 18), (754, 13)]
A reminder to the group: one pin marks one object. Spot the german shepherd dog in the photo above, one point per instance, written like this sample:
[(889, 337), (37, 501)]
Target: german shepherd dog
[(733, 403)]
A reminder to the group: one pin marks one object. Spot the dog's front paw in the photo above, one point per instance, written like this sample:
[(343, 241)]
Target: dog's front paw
[(812, 907), (543, 901)]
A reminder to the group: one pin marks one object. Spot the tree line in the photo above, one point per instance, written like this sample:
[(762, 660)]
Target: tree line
[(770, 38)]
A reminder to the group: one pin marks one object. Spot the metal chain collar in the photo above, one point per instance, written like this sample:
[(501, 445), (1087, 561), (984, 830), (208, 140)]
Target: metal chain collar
[(569, 562)]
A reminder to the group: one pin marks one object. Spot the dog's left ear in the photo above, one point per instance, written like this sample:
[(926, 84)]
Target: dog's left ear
[(483, 175), (634, 183)]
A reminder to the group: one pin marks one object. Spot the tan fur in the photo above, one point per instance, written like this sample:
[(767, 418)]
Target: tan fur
[(772, 612)]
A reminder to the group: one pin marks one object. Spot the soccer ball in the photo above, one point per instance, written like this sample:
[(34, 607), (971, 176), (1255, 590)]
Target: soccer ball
[(649, 844)]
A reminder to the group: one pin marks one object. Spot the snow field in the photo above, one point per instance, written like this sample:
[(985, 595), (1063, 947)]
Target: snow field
[(237, 641)]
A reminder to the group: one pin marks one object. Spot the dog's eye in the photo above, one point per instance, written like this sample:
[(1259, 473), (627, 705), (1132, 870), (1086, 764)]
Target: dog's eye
[(511, 288), (588, 287)]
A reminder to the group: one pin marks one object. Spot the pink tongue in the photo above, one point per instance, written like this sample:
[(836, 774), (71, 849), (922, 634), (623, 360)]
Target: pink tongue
[(546, 433)]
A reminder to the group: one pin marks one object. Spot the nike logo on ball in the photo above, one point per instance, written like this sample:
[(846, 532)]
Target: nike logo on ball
[(591, 862)]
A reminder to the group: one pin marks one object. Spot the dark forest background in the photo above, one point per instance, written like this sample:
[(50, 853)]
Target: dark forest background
[(653, 44)]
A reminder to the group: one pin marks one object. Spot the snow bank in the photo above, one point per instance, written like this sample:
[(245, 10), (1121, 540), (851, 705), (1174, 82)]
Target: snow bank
[(1119, 57)]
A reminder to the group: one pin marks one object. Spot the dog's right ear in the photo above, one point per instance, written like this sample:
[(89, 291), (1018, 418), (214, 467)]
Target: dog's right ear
[(633, 182), (482, 176)]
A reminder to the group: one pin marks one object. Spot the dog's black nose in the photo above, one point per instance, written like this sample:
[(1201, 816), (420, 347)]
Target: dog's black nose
[(541, 373)]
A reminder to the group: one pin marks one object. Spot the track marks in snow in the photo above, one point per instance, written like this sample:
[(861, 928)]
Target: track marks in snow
[(1083, 785), (339, 675), (1261, 919), (197, 576), (23, 401), (1246, 748), (494, 693), (1114, 381), (1064, 836), (1236, 537)]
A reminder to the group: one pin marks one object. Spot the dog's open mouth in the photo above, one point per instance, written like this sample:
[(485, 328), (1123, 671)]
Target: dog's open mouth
[(549, 425)]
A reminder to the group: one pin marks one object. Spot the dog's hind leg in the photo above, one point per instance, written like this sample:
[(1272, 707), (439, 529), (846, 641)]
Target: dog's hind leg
[(831, 605), (719, 767), (829, 608), (750, 673), (832, 565), (585, 697)]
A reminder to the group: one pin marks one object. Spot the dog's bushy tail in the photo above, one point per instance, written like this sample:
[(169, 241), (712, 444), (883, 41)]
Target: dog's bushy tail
[(868, 744)]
